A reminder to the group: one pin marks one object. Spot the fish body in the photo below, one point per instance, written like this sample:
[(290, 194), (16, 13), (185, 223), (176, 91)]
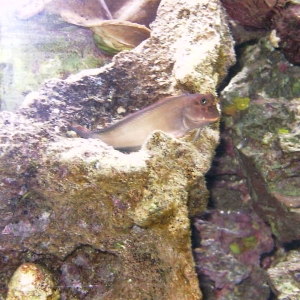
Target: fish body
[(173, 115)]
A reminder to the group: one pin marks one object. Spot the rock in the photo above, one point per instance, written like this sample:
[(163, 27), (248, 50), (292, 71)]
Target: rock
[(31, 281), (283, 277), (163, 65), (281, 18), (243, 34), (265, 135), (228, 255), (129, 206), (67, 202), (252, 14), (256, 168), (270, 76), (287, 26)]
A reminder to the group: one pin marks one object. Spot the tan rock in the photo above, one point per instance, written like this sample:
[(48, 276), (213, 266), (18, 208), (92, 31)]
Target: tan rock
[(133, 207), (32, 282)]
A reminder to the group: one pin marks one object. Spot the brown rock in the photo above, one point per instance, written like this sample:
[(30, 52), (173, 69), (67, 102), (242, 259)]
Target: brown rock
[(77, 201)]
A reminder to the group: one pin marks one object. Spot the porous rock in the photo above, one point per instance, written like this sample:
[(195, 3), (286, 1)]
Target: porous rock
[(192, 55), (71, 200), (283, 276), (279, 19), (228, 255), (287, 26), (265, 135), (31, 281)]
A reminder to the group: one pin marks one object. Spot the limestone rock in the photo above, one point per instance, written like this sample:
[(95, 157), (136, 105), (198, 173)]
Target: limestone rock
[(67, 202), (283, 277), (32, 282)]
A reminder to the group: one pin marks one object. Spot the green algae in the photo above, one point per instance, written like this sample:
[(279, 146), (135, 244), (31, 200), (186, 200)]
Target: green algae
[(258, 125), (238, 104), (118, 245), (100, 43), (241, 103), (249, 242), (283, 130), (274, 229), (243, 244), (296, 87), (235, 248)]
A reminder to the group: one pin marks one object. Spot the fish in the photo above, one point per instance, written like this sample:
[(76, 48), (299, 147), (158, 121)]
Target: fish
[(173, 115)]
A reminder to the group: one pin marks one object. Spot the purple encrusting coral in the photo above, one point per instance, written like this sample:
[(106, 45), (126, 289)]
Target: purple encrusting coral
[(230, 250)]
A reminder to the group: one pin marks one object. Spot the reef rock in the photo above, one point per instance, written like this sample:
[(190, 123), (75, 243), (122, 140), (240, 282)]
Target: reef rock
[(256, 168), (252, 14), (228, 254), (283, 276), (287, 25), (279, 19), (261, 106), (111, 225), (31, 281)]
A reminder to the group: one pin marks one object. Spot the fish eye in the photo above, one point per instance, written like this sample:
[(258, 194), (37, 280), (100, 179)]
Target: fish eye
[(204, 101)]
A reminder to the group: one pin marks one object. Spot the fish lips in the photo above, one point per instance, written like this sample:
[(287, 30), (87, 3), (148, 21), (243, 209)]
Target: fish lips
[(196, 123)]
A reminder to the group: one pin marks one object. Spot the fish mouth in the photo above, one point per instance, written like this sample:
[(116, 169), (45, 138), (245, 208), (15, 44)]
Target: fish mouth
[(200, 121)]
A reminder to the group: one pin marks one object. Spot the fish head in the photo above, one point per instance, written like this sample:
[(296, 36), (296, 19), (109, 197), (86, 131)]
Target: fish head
[(199, 110)]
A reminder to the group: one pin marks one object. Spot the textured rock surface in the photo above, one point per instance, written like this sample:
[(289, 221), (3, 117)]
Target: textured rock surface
[(284, 277), (133, 208), (165, 64), (287, 26), (228, 256), (31, 281), (282, 17), (257, 163), (256, 167), (266, 135), (68, 203), (253, 14)]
